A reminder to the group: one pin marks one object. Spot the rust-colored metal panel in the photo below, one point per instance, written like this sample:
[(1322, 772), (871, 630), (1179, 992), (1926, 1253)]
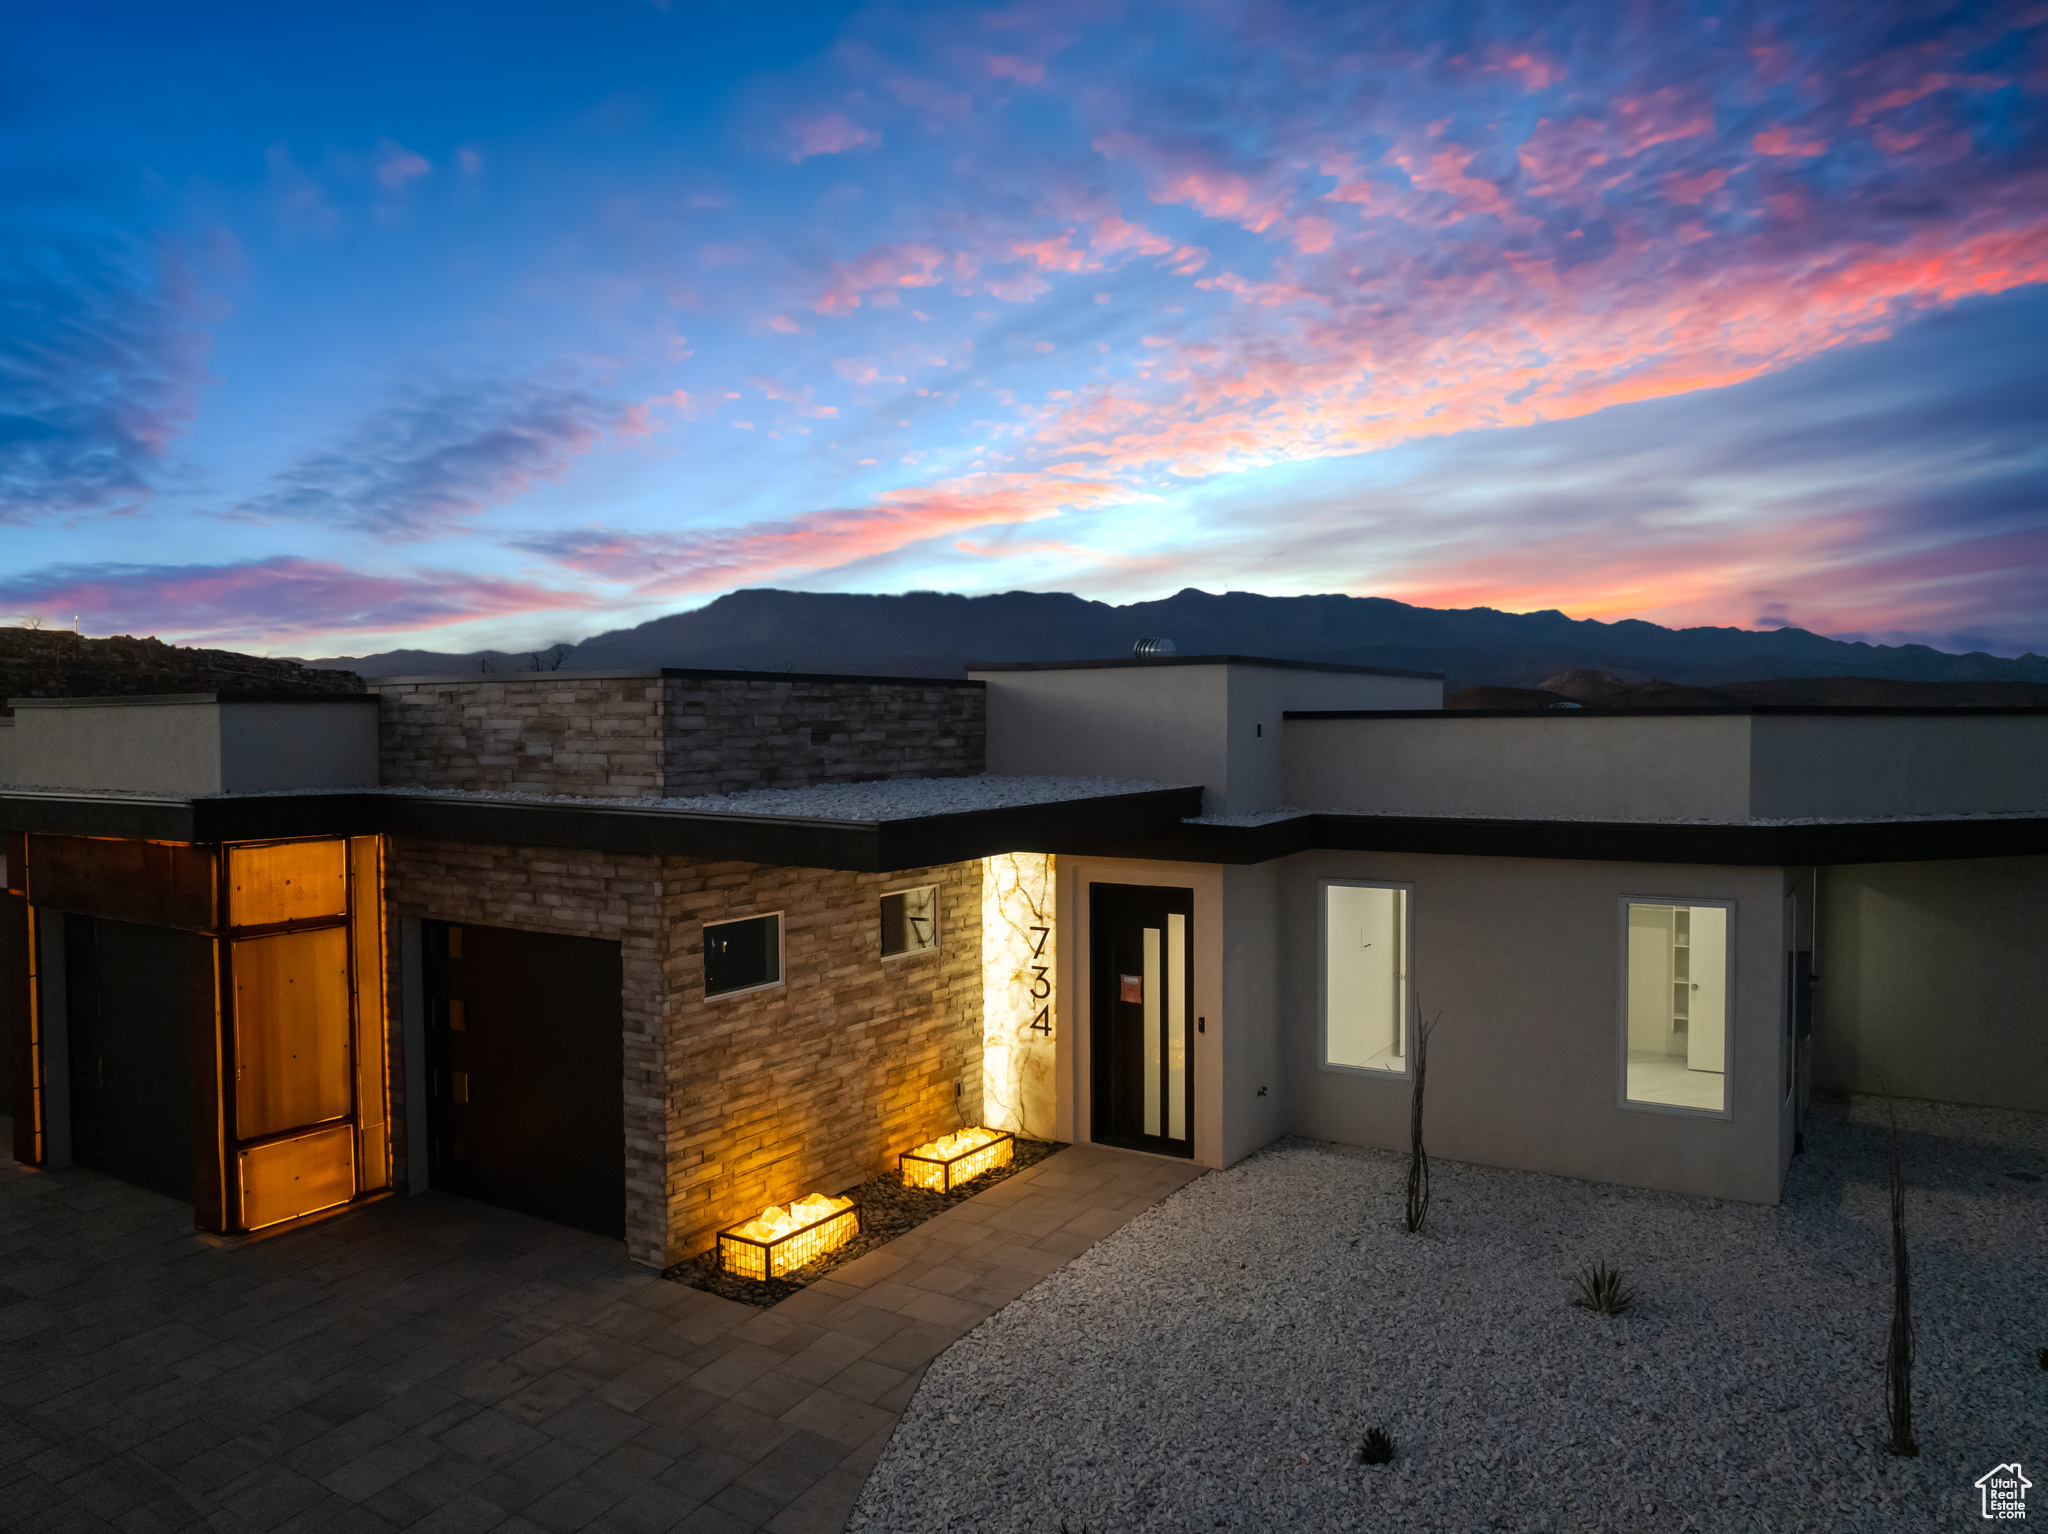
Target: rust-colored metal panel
[(209, 1128), (302, 1175), (158, 884), (366, 933), (287, 881), (24, 1063), (291, 1016)]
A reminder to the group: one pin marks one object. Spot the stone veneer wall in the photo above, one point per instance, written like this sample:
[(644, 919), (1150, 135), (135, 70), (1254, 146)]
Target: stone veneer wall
[(821, 1081), (535, 733), (726, 733), (576, 894), (671, 733)]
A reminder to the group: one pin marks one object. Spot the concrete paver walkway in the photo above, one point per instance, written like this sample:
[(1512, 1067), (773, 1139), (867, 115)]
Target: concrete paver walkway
[(433, 1363)]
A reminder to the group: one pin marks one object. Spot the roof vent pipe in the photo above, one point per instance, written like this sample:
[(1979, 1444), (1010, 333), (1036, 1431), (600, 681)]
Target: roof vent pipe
[(1152, 649)]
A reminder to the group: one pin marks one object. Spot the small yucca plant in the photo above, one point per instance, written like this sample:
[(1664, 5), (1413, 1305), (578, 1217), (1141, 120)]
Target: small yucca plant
[(1378, 1448), (1602, 1291)]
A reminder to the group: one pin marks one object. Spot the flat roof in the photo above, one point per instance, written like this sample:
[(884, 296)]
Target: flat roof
[(683, 673), (883, 843), (1596, 711), (141, 699), (1199, 660)]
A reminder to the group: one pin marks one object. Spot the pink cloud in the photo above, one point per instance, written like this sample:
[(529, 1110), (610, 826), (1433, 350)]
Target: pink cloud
[(834, 133), (396, 165), (1781, 141), (675, 564), (1007, 66), (1183, 174), (274, 600), (883, 267), (1689, 191)]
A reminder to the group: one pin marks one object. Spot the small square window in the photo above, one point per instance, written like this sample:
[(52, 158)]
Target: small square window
[(910, 922), (742, 955)]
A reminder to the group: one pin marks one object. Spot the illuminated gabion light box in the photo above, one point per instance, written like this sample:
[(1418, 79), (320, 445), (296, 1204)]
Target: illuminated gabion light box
[(785, 1237), (946, 1163)]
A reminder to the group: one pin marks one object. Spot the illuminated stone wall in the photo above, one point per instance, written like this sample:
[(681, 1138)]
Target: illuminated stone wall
[(1020, 1092), (812, 1085)]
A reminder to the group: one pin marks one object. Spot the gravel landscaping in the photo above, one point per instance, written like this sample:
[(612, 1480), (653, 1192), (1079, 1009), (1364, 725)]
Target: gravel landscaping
[(1216, 1363)]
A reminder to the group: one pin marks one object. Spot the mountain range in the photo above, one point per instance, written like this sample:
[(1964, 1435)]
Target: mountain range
[(929, 633)]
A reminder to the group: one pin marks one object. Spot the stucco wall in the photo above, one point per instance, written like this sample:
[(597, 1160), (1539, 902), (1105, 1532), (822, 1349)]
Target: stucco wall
[(189, 746), (575, 894), (1851, 765), (1521, 959), (723, 734), (1645, 768), (269, 746), (1216, 725), (819, 1082), (1933, 981)]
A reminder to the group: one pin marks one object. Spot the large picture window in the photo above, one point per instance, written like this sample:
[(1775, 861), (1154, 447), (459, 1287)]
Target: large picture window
[(1365, 978), (742, 955), (1675, 1000)]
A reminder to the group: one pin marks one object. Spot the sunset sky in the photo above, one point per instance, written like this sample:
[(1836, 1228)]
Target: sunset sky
[(328, 329)]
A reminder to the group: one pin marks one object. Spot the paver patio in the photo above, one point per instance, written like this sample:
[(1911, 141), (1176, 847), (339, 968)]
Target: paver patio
[(433, 1363)]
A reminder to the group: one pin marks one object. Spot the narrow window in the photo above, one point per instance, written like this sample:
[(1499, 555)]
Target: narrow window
[(742, 955), (910, 921), (1675, 1030), (1365, 978)]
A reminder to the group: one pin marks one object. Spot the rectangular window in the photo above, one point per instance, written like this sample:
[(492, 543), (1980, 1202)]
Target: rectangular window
[(1675, 999), (742, 955), (1365, 978), (910, 922)]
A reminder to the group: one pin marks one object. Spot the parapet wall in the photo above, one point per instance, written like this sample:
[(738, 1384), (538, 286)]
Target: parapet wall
[(614, 735), (725, 734)]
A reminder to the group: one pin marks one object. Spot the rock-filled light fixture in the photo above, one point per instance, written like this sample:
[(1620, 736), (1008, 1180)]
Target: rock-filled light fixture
[(945, 1163), (785, 1237)]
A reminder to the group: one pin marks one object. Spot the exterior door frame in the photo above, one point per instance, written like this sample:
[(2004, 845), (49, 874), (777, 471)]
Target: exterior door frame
[(1073, 1041)]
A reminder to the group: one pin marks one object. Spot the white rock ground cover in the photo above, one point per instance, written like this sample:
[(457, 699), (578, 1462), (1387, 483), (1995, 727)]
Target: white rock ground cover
[(1215, 1364)]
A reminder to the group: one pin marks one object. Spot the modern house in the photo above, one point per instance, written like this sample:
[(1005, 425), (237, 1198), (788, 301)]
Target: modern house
[(646, 952)]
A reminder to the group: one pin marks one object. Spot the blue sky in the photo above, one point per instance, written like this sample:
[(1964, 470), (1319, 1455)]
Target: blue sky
[(335, 329)]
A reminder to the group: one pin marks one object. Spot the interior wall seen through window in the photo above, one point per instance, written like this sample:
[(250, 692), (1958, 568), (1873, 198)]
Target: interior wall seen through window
[(1677, 1047), (910, 921), (1365, 978)]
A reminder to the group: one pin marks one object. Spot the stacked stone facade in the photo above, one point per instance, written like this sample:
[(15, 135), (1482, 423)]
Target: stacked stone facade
[(596, 736), (672, 733), (738, 1102), (818, 1082), (574, 894), (725, 734)]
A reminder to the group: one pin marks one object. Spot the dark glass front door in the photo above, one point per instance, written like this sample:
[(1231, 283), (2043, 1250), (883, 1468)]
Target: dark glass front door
[(1141, 994), (526, 1056)]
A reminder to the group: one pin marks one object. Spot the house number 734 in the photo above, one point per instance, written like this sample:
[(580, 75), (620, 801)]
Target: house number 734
[(1041, 985)]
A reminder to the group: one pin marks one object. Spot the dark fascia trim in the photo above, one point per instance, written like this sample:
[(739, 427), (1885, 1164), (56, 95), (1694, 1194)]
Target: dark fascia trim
[(1596, 711), (859, 846), (1911, 841), (1200, 660), (681, 673), (133, 700)]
